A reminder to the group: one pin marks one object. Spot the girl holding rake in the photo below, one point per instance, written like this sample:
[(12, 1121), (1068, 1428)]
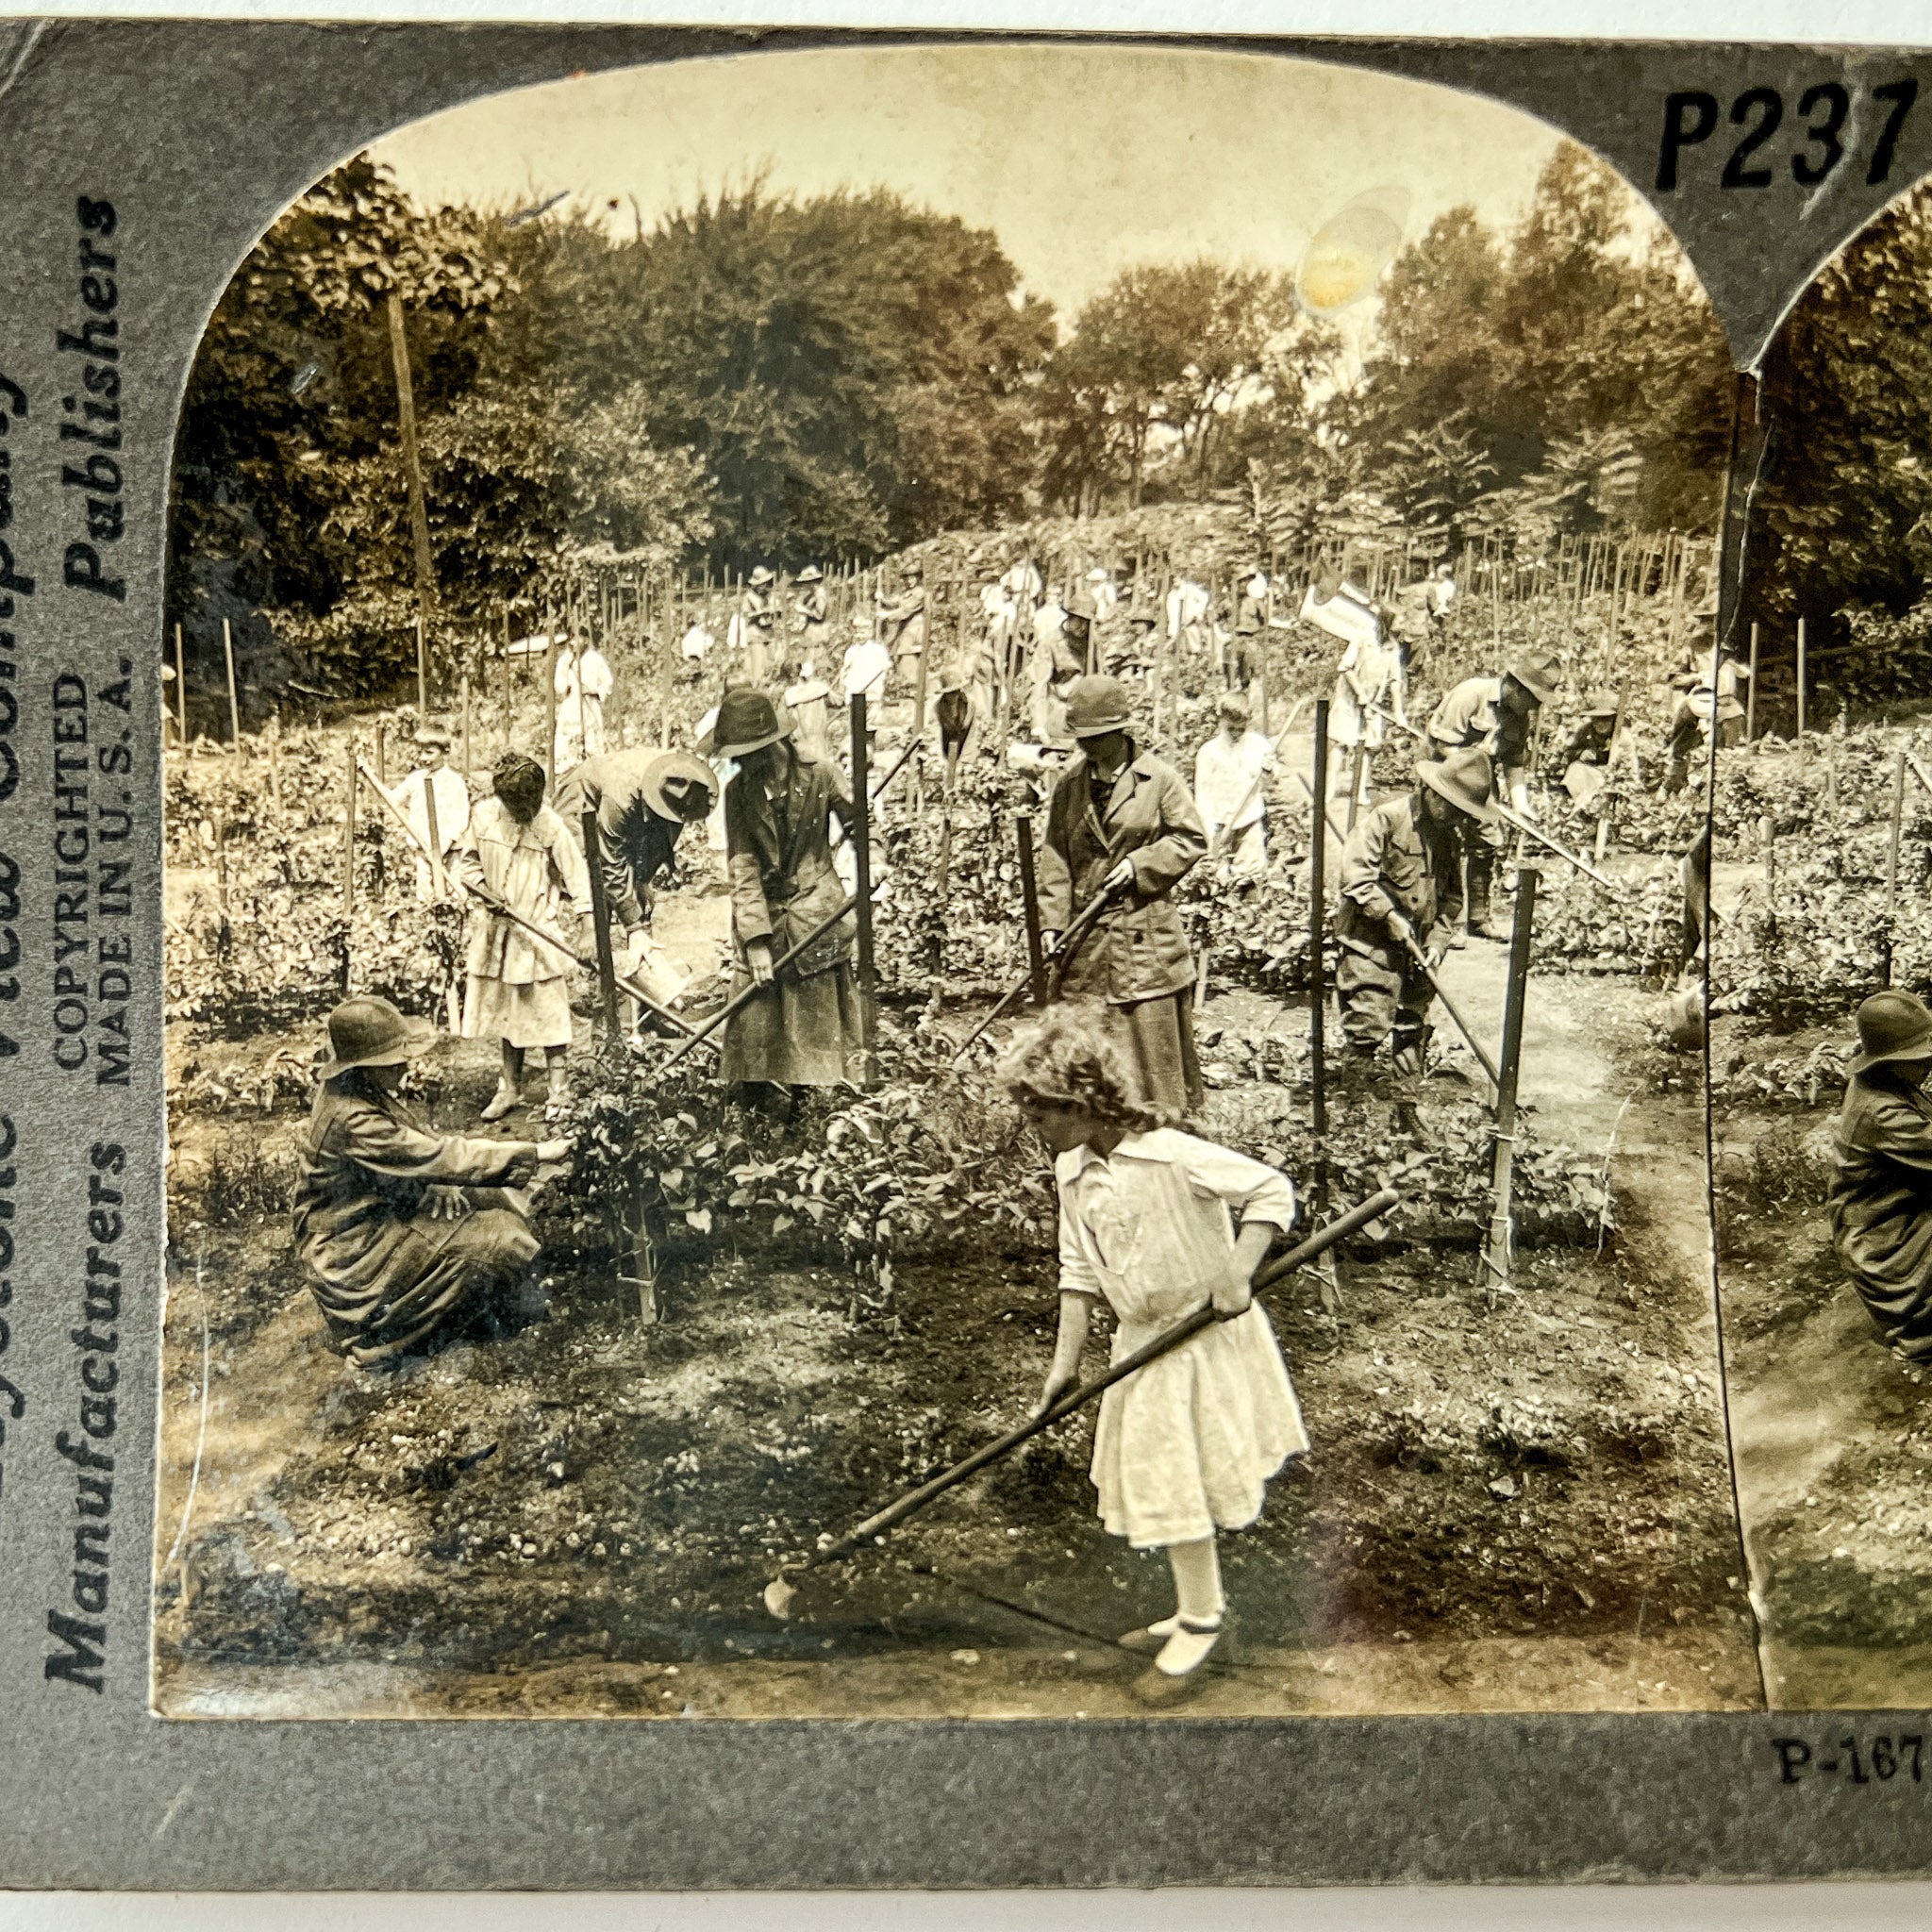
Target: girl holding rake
[(1183, 1447)]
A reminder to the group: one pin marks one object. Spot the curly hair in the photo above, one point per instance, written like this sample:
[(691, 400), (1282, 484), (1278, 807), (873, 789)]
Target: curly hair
[(1071, 1057), (519, 782)]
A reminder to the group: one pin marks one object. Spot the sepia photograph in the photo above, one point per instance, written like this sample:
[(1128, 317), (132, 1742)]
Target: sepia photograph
[(1821, 967), (938, 895)]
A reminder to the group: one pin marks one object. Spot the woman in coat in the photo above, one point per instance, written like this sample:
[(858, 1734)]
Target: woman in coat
[(1881, 1199), (804, 1028), (403, 1231), (1122, 820)]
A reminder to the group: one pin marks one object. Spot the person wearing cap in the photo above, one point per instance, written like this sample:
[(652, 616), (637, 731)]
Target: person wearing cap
[(434, 778), (643, 798), (1494, 715), (804, 1029), (1368, 681), (1122, 821), (1401, 884), (902, 624), (1706, 684), (1231, 770), (810, 619), (404, 1233), (517, 988), (1881, 1194), (583, 680)]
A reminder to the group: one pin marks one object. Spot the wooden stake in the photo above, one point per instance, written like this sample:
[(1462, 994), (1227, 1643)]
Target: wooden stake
[(1317, 886), (1751, 692), (1500, 1248), (862, 852), (1801, 689), (418, 512), (600, 919), (550, 696), (349, 846), (382, 751), (181, 687), (466, 726), (234, 707), (436, 883), (1030, 896), (1898, 814)]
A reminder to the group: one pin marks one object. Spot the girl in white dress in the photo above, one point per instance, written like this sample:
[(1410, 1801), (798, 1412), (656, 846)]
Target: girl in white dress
[(1185, 1446)]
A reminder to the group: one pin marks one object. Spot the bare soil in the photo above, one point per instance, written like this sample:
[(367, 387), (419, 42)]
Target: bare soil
[(1516, 1501), (1832, 1432)]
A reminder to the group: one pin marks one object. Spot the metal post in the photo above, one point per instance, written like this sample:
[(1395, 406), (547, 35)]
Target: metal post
[(1029, 895), (1499, 1249), (600, 918), (861, 851), (234, 708)]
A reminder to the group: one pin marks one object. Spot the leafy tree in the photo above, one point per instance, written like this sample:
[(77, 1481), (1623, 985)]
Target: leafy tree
[(1842, 509)]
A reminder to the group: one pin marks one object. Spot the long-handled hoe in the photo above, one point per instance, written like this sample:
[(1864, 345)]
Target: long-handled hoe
[(782, 1589)]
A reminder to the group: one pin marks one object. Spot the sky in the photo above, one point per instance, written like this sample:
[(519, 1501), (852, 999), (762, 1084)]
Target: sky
[(1083, 159)]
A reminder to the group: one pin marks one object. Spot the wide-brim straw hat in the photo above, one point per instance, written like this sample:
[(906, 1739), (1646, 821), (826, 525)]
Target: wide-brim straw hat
[(811, 574), (1096, 705), (761, 577), (1466, 780), (366, 1031), (747, 722), (674, 783), (1892, 1025), (1535, 676)]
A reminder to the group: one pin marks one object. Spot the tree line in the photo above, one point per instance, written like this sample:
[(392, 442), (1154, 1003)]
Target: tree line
[(767, 378)]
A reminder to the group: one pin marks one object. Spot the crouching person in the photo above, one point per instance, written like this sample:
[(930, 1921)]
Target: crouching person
[(1185, 1446), (406, 1234), (1881, 1197), (1402, 891)]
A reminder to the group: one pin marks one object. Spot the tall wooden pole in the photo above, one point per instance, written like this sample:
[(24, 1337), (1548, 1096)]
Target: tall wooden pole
[(1029, 895), (1801, 686), (1751, 691), (234, 707), (1318, 991), (862, 852), (1898, 814), (181, 687), (419, 510), (349, 848), (550, 696), (466, 726), (600, 919), (1499, 1249)]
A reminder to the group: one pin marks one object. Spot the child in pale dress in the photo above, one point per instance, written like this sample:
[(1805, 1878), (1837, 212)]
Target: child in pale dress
[(518, 990), (1185, 1446)]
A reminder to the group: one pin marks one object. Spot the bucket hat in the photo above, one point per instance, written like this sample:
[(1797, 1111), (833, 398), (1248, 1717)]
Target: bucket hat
[(366, 1031), (747, 722), (680, 787), (1095, 705), (1892, 1025), (1537, 676), (1465, 779)]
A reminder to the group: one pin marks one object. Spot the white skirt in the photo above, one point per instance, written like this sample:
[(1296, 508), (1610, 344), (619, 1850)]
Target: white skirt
[(1186, 1445), (534, 1012)]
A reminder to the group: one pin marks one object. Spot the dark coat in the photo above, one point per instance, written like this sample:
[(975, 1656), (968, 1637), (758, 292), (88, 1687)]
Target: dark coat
[(359, 1225), (1398, 861), (778, 853), (1140, 950), (1881, 1205)]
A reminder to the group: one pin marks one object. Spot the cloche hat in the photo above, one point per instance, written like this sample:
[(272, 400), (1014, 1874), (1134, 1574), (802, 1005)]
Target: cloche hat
[(366, 1031), (1892, 1025)]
